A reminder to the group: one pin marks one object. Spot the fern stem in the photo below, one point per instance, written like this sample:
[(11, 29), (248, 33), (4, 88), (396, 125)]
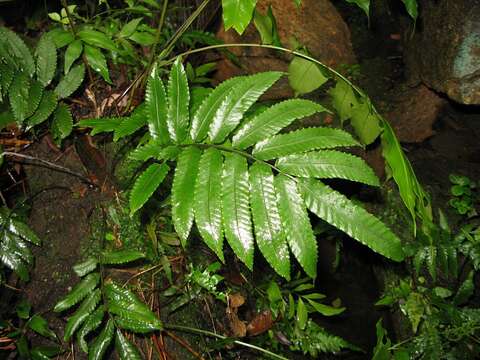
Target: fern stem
[(221, 337)]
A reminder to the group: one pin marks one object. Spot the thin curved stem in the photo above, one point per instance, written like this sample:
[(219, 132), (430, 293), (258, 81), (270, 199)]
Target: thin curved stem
[(221, 337)]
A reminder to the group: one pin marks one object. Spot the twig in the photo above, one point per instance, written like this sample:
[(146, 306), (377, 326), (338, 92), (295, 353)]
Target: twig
[(49, 165), (185, 344)]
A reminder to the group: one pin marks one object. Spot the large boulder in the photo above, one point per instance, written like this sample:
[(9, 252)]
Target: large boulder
[(445, 50), (316, 24)]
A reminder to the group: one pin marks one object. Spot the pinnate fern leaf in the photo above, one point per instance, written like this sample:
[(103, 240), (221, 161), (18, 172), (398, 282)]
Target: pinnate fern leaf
[(103, 124), (269, 232), (236, 208), (84, 310), (46, 56), (86, 266), (328, 164), (272, 120), (231, 111), (146, 184), (296, 223), (208, 200), (93, 321), (183, 191), (156, 100), (339, 211), (131, 124), (301, 141), (70, 82), (178, 103)]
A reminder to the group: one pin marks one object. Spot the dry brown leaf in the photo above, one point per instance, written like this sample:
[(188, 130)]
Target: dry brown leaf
[(260, 323), (238, 327), (235, 301)]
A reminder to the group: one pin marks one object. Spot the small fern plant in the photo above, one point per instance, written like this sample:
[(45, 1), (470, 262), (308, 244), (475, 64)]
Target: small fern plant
[(107, 307), (238, 177), (15, 236), (26, 85)]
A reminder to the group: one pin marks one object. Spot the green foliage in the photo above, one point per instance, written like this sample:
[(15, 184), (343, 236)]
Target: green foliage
[(106, 308), (28, 87), (304, 76), (464, 194), (237, 14), (222, 195), (14, 238)]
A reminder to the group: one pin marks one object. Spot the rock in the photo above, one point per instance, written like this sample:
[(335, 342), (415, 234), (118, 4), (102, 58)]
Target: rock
[(414, 113), (316, 24), (445, 50)]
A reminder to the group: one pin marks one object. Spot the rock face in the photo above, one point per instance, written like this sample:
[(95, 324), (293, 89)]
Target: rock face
[(445, 51), (316, 24)]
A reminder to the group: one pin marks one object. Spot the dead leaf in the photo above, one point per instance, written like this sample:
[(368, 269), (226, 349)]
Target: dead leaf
[(235, 301), (260, 323)]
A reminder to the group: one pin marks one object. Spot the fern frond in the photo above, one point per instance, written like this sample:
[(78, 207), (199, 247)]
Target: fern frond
[(70, 82), (272, 120), (203, 117), (269, 232), (178, 115), (156, 101), (301, 141), (326, 164), (24, 232), (146, 184), (208, 200), (13, 254), (183, 191), (296, 223), (340, 212), (197, 95), (47, 105), (78, 293), (46, 56), (86, 266), (231, 111), (236, 208)]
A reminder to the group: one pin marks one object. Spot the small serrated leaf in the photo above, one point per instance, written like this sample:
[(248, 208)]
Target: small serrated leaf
[(103, 124), (146, 184), (183, 191), (92, 322), (73, 52), (236, 208), (208, 200), (70, 82), (296, 224), (34, 97), (18, 50), (47, 105), (38, 324), (85, 267), (97, 39), (132, 123), (18, 96), (97, 62), (62, 124), (46, 55)]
